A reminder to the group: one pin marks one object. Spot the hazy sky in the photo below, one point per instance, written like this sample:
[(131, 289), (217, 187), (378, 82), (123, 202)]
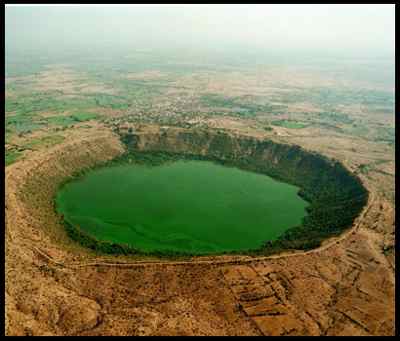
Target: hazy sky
[(360, 30)]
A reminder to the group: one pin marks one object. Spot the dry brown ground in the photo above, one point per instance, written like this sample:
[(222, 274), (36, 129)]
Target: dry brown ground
[(54, 286), (61, 78)]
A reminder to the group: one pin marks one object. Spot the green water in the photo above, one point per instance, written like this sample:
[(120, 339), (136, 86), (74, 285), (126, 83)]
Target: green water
[(185, 206)]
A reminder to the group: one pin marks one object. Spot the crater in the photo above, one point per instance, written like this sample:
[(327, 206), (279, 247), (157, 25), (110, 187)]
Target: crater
[(194, 192)]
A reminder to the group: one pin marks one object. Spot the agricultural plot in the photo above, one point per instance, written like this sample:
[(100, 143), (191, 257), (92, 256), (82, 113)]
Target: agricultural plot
[(289, 124)]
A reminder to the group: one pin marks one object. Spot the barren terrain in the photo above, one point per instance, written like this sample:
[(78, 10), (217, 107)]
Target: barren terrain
[(61, 118), (56, 287)]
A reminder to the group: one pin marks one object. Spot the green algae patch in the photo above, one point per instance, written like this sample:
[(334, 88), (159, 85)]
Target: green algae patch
[(181, 206)]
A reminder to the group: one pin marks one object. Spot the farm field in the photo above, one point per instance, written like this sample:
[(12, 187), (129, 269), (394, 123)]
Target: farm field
[(195, 186)]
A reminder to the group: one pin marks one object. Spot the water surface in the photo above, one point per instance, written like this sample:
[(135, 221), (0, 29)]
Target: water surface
[(186, 206)]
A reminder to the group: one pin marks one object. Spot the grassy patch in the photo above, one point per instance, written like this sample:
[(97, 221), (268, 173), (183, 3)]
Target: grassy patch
[(240, 105), (335, 117), (63, 121), (289, 124), (46, 141), (72, 119), (11, 156), (84, 116), (385, 134), (364, 168), (7, 138), (22, 124), (55, 101), (359, 129)]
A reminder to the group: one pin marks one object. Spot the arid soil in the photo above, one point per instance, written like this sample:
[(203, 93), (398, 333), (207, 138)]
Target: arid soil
[(56, 287)]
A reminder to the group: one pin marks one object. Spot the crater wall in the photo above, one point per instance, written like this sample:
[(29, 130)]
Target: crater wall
[(344, 289)]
